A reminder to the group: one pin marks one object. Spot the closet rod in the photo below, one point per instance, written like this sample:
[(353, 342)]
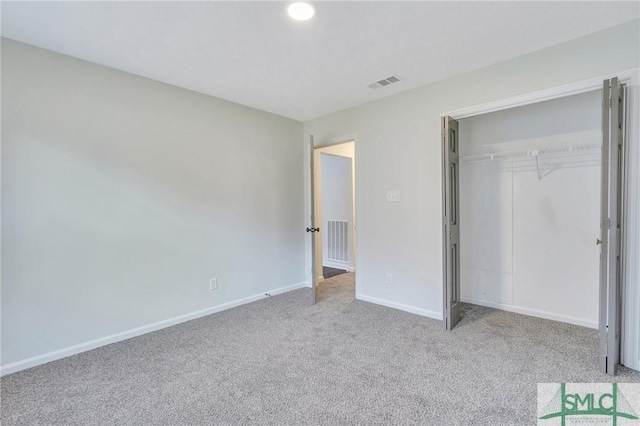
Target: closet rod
[(534, 152)]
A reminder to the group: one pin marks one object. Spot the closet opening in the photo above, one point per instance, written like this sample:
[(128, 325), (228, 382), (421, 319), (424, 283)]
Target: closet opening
[(532, 212)]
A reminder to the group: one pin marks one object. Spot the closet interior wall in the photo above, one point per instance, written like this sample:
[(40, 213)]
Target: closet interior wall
[(529, 209)]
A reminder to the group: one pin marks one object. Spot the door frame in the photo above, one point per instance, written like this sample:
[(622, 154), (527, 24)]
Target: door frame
[(576, 88), (557, 92), (324, 143)]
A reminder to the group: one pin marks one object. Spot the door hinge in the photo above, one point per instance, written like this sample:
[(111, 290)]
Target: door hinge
[(608, 102), (608, 223)]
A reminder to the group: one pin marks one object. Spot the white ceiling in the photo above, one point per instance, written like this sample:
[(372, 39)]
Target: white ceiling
[(252, 53)]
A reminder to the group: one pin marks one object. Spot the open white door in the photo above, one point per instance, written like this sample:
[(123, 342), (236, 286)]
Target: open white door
[(611, 225), (450, 227), (312, 229)]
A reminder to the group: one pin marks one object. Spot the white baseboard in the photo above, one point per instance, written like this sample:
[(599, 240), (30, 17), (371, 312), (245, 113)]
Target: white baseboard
[(351, 268), (531, 312), (400, 306), (102, 341), (335, 264)]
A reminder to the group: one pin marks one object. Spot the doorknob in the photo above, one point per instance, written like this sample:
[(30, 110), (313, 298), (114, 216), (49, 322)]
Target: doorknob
[(313, 229)]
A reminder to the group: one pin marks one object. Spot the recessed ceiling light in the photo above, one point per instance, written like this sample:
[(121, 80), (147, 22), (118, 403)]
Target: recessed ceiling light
[(301, 11)]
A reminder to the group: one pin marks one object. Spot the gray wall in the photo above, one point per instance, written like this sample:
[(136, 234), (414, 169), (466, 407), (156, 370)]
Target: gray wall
[(122, 197)]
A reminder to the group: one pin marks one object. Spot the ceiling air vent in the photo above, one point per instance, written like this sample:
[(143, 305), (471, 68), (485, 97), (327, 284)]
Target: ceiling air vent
[(385, 82)]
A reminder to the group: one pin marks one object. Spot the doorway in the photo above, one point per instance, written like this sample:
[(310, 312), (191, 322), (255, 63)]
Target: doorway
[(524, 189), (528, 222), (333, 204)]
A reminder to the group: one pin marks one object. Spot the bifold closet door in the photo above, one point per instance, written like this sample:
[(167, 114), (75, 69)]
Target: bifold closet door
[(313, 229), (450, 228), (610, 225)]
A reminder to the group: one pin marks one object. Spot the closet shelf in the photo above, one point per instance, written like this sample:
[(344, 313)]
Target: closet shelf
[(533, 152)]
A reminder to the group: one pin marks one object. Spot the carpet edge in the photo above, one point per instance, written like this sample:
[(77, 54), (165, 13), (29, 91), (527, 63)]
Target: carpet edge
[(34, 361)]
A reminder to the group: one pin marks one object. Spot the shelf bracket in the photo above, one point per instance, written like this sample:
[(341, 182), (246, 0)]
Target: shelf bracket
[(535, 153)]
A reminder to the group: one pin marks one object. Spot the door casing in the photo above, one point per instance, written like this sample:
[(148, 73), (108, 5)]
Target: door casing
[(315, 246)]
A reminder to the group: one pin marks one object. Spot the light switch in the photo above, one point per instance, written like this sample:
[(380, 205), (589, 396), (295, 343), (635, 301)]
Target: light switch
[(393, 196)]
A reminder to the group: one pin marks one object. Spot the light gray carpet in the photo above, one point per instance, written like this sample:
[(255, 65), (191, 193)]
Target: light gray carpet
[(278, 361)]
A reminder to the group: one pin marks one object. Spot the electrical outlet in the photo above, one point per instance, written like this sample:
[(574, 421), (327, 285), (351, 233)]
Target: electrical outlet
[(213, 284), (389, 278)]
